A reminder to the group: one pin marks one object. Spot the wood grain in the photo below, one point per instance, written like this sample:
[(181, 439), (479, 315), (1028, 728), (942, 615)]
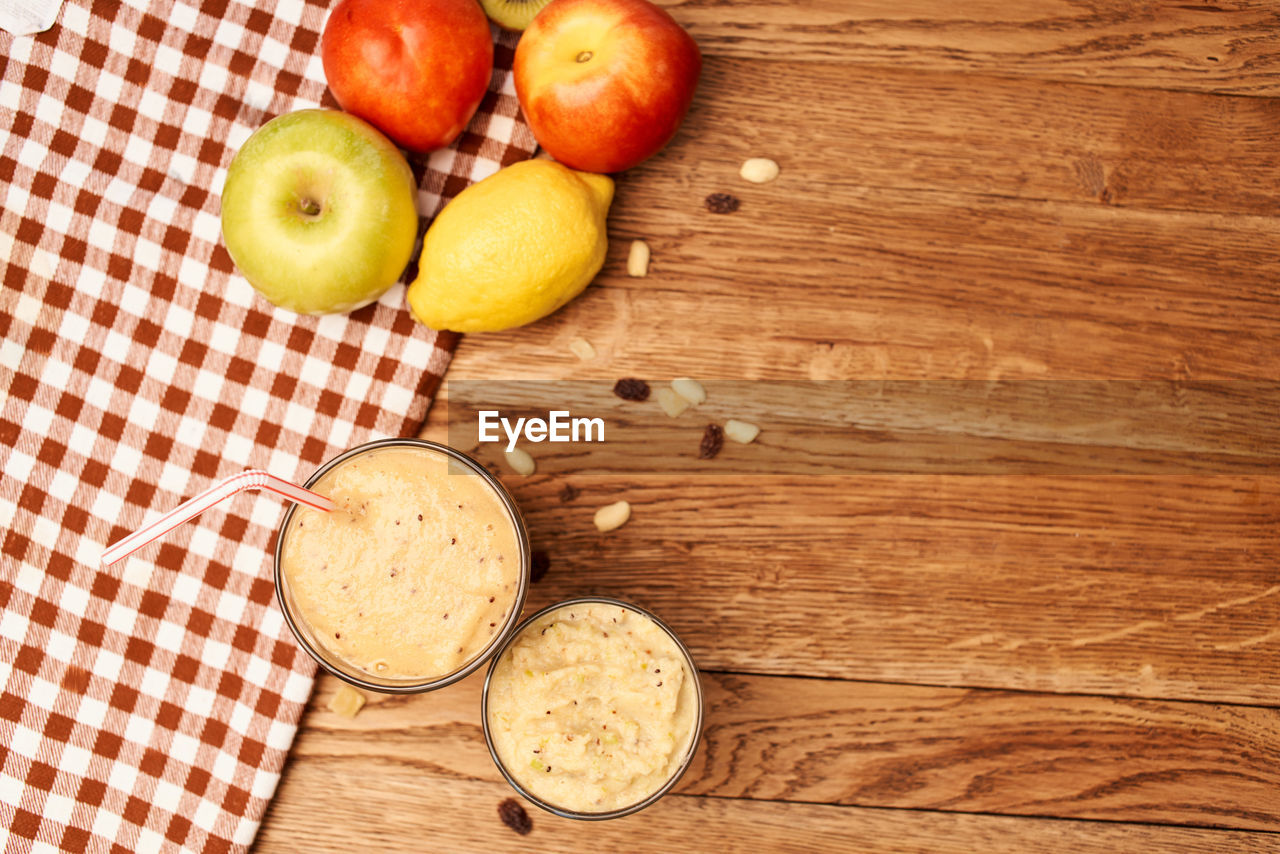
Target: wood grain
[(1055, 189), (1148, 587), (926, 229), (1228, 46), (874, 744), (911, 290), (1028, 427), (986, 135), (395, 807)]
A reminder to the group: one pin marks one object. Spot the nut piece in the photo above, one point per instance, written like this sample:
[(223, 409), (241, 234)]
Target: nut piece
[(347, 702), (638, 260), (612, 516), (712, 442), (741, 432), (721, 203), (514, 816), (520, 461), (631, 389), (690, 390), (582, 348), (759, 170), (671, 403)]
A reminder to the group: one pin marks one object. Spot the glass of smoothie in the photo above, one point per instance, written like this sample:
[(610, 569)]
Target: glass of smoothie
[(415, 578), (592, 709)]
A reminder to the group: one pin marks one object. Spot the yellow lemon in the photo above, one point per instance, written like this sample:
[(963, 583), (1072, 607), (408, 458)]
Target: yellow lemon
[(512, 248)]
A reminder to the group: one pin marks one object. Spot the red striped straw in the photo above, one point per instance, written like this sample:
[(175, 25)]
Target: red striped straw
[(188, 510)]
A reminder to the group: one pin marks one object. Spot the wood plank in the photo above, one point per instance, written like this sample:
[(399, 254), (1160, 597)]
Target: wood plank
[(874, 744), (1044, 584), (888, 314), (1231, 46), (980, 427), (992, 135), (1146, 587), (898, 245), (876, 284), (344, 805)]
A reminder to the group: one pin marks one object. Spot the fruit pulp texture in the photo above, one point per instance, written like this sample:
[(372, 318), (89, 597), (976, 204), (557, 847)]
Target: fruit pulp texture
[(414, 572), (591, 708)]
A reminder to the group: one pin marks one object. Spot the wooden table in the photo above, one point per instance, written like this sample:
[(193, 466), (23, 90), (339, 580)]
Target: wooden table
[(977, 190)]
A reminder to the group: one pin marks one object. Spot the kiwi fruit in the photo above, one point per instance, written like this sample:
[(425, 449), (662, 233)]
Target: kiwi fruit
[(513, 14)]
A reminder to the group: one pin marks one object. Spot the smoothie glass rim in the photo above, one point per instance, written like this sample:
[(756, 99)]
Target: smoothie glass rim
[(648, 800), (348, 673)]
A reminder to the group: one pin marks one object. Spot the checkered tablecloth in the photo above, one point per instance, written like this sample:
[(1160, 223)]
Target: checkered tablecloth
[(150, 706)]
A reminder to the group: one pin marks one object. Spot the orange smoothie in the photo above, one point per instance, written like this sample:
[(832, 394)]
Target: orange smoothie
[(413, 573)]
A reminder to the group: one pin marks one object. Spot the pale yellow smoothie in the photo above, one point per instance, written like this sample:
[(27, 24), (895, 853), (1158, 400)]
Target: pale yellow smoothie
[(415, 570), (592, 708)]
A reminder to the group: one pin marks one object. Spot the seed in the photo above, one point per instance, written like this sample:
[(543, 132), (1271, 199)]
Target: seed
[(741, 432), (759, 170), (638, 260), (520, 462), (612, 516), (671, 403), (690, 390), (582, 348)]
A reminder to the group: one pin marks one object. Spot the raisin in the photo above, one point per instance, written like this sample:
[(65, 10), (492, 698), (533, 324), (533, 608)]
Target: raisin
[(722, 203), (631, 389), (514, 816), (539, 563), (712, 442)]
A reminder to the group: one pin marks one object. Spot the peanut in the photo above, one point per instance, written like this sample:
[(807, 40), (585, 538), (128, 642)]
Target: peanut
[(347, 702), (741, 432), (520, 461), (759, 170), (671, 403), (690, 390), (612, 516), (638, 260)]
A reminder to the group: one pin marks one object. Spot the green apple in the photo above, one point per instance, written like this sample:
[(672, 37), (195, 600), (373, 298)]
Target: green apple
[(319, 212)]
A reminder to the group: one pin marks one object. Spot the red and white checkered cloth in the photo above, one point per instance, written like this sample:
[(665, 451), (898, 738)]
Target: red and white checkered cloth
[(150, 706)]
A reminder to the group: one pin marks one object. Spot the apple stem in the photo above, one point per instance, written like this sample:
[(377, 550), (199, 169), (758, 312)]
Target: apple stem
[(585, 56)]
